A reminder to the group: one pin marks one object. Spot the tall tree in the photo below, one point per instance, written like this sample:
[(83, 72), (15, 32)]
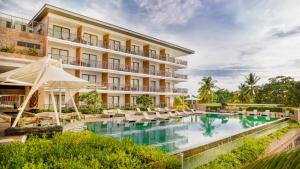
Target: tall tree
[(243, 93), (206, 91), (251, 82)]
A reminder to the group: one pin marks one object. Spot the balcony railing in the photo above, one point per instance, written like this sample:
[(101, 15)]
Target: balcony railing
[(118, 67), (124, 87), (99, 43)]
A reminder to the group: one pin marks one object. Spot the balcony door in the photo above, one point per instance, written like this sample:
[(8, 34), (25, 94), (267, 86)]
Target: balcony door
[(115, 45), (89, 60), (89, 78), (90, 39), (135, 49), (152, 85), (135, 66), (114, 63), (114, 101), (60, 54), (61, 32), (114, 83), (135, 84), (152, 69)]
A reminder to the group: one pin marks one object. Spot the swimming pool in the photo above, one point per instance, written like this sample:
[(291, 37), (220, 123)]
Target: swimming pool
[(182, 133)]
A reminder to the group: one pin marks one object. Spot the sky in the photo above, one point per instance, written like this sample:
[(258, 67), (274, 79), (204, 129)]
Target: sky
[(231, 38)]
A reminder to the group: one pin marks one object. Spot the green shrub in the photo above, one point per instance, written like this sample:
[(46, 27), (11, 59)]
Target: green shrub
[(288, 160), (264, 108), (91, 111), (8, 49), (31, 52), (251, 150), (83, 150)]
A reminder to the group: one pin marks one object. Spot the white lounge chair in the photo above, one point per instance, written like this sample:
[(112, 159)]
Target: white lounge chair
[(287, 113), (186, 112), (159, 117), (171, 115), (180, 114), (266, 113), (106, 114), (129, 119), (147, 118)]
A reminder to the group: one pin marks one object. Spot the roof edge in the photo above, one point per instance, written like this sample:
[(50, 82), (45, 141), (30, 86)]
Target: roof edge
[(46, 6)]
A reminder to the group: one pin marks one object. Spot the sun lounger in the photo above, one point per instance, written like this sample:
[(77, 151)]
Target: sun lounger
[(180, 114), (186, 112), (286, 113), (159, 117), (150, 111), (129, 119), (106, 114), (138, 111), (147, 118), (254, 112), (171, 115), (266, 113), (120, 113)]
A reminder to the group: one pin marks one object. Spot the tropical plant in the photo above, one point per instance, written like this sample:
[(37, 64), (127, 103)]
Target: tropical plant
[(251, 83), (178, 101), (83, 150), (206, 91), (8, 49), (144, 100), (91, 98), (243, 93)]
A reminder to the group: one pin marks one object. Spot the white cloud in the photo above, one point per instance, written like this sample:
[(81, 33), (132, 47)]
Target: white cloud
[(167, 12)]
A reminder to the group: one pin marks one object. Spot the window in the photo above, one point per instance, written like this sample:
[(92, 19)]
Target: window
[(8, 24), (29, 45), (133, 98), (135, 66), (152, 85), (168, 86), (89, 59), (153, 100), (115, 45), (114, 101), (56, 98), (152, 69), (135, 84), (90, 39), (60, 54), (23, 28), (168, 101), (89, 78), (114, 83), (61, 33), (152, 53), (135, 49), (114, 63)]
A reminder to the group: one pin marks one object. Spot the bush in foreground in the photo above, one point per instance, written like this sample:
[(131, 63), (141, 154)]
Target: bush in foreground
[(83, 150), (287, 160), (251, 150)]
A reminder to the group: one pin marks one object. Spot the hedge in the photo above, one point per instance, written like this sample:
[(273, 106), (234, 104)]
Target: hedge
[(264, 108), (83, 150), (213, 108), (251, 150), (287, 160)]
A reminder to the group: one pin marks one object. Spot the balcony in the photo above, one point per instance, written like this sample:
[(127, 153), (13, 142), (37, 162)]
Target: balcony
[(99, 43), (118, 67), (124, 87)]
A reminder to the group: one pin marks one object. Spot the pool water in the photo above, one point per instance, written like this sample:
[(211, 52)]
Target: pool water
[(182, 133)]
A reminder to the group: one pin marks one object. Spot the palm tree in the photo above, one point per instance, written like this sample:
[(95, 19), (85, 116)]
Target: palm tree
[(243, 93), (207, 89), (251, 81)]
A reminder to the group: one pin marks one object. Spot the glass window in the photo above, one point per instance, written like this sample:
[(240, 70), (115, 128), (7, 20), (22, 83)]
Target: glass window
[(135, 66), (90, 39), (154, 100), (60, 54), (8, 24), (61, 33), (23, 28), (114, 63), (152, 69), (89, 78), (153, 53), (115, 45), (89, 59), (135, 49), (135, 84), (114, 101), (114, 80), (133, 98), (56, 98)]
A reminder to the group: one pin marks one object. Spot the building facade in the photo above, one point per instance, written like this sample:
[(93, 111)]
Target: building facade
[(120, 64)]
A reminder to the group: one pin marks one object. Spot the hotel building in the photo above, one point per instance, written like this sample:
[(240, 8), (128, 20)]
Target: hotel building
[(119, 63)]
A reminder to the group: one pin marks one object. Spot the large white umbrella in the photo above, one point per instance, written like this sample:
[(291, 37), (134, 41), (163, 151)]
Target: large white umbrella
[(47, 74)]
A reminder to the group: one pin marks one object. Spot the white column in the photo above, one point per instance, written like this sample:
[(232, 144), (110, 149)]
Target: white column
[(73, 102), (55, 108), (59, 101)]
